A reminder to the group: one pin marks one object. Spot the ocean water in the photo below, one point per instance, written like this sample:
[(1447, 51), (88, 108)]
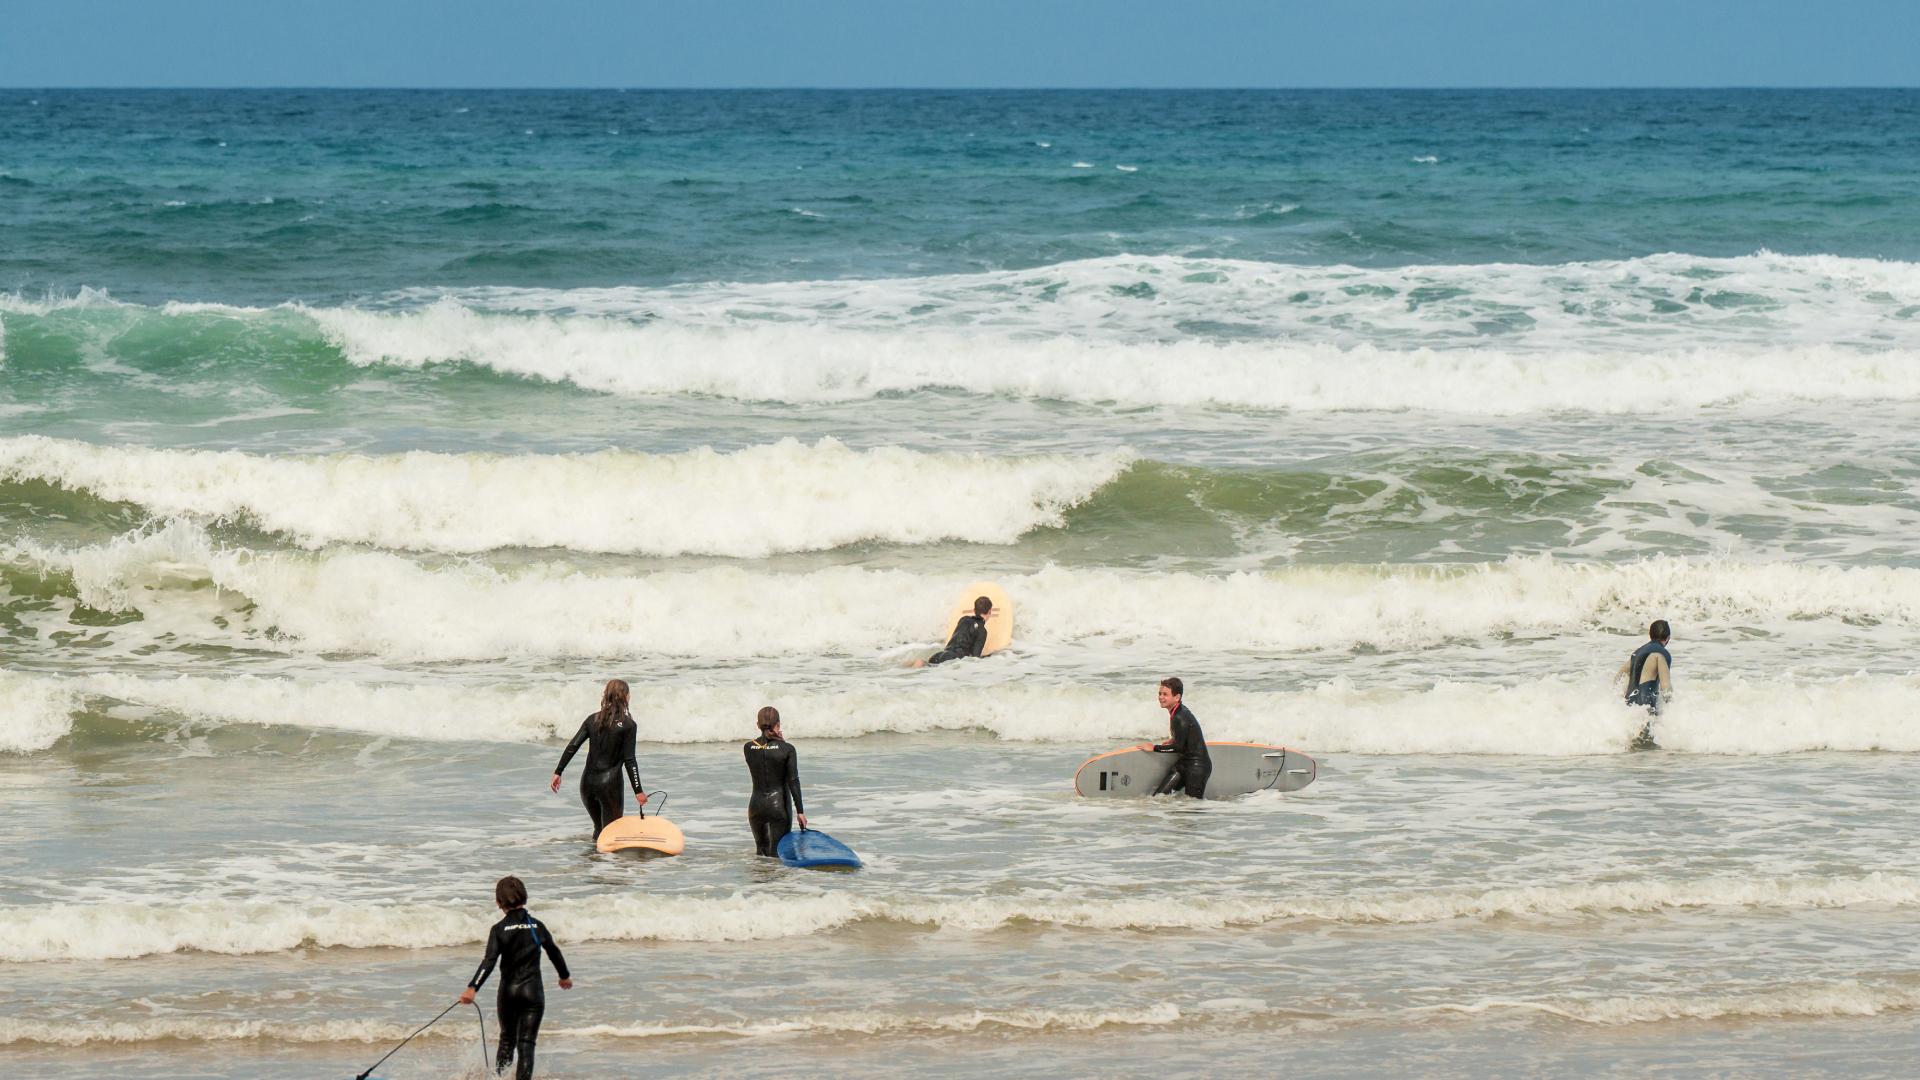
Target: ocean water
[(350, 440)]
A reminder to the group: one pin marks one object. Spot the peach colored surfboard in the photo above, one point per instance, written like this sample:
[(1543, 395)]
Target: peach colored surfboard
[(999, 624)]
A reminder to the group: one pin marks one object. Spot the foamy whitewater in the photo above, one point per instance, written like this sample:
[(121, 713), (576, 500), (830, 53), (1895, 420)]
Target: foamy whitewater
[(1391, 445)]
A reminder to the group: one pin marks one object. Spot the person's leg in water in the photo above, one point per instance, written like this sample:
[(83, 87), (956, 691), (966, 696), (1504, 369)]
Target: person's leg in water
[(603, 797), (506, 1010), (1194, 780), (521, 1006), (529, 1034), (770, 823), (1171, 784), (1644, 740)]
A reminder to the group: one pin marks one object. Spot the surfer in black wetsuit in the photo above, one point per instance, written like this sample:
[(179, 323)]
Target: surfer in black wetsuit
[(610, 735), (774, 765), (969, 635), (1649, 675), (1194, 765), (515, 942)]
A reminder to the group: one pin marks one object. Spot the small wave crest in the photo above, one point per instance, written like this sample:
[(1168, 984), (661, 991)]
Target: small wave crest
[(1683, 331), (367, 602), (120, 931), (1549, 718), (764, 500)]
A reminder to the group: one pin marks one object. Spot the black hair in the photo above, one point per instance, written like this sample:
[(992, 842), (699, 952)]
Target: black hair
[(982, 605), (1659, 631), (510, 892), (1174, 684)]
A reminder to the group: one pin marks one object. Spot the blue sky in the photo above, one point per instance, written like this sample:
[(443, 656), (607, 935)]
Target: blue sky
[(970, 43)]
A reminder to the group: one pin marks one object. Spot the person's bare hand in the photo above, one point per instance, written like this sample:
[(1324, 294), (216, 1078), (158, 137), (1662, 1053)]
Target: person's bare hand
[(566, 984), (466, 996), (555, 786)]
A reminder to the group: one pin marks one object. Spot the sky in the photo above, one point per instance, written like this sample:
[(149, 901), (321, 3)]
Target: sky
[(959, 43)]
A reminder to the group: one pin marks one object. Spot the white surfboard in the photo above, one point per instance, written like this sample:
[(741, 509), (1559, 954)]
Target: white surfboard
[(1239, 768)]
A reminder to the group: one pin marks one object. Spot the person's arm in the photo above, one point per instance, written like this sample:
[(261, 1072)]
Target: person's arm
[(1626, 669), (486, 964), (979, 646), (1663, 673), (793, 784), (573, 746), (553, 952), (1173, 739), (627, 752)]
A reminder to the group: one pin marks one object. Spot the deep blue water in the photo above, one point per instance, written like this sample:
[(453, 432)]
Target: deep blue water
[(325, 196)]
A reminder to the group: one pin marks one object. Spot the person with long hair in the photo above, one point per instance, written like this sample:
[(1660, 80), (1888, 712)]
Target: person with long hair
[(774, 765), (609, 736), (515, 943)]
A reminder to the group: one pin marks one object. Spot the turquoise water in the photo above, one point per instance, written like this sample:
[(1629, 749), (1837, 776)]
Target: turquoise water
[(349, 440)]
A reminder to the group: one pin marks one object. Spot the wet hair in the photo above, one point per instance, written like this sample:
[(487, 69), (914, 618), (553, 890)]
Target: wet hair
[(613, 704), (982, 605), (1659, 631), (1174, 684), (768, 719), (510, 892)]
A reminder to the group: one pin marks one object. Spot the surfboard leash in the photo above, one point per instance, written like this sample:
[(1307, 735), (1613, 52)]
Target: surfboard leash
[(478, 1014)]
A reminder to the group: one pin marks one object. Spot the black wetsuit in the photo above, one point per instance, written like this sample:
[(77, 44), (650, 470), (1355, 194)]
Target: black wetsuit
[(1646, 694), (775, 767), (1194, 765), (969, 639), (516, 941), (610, 748)]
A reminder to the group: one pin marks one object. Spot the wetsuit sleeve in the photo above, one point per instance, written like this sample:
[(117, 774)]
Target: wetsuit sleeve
[(627, 756), (573, 747), (553, 950), (979, 645), (486, 963), (793, 780)]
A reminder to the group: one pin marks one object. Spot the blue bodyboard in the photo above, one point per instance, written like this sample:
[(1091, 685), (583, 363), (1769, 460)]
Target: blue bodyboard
[(811, 848)]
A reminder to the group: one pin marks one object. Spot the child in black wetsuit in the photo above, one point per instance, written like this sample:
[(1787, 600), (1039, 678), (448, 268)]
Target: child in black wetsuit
[(515, 942), (969, 634)]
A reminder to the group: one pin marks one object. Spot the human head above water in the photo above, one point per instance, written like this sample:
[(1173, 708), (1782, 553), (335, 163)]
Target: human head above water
[(613, 701), (510, 892), (1660, 631), (768, 720), (982, 606), (1171, 690)]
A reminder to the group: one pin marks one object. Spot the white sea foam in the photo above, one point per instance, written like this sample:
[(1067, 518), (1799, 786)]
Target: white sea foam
[(1667, 331), (1791, 1002), (35, 711), (780, 497), (375, 602), (811, 363), (861, 1022), (110, 931), (1558, 717)]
